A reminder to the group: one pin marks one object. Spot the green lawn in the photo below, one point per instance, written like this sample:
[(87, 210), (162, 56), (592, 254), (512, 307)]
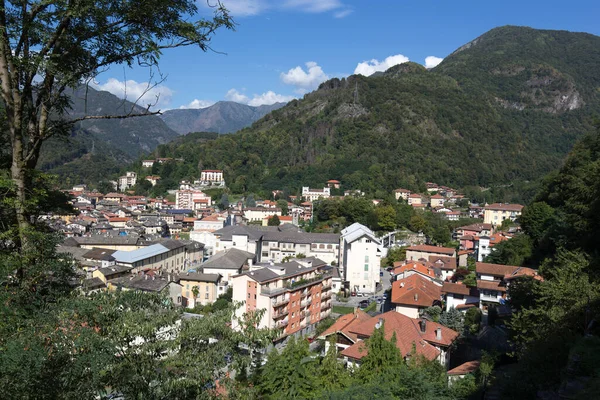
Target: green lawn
[(342, 310), (371, 307)]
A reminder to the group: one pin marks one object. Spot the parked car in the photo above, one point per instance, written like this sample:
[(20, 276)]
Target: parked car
[(364, 303), (380, 273), (353, 294), (359, 294)]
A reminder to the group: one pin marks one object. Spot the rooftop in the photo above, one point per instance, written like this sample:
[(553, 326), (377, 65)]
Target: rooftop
[(229, 259), (432, 249), (133, 256), (415, 291)]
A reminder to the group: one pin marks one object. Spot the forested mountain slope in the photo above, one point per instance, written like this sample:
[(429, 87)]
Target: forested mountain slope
[(507, 106)]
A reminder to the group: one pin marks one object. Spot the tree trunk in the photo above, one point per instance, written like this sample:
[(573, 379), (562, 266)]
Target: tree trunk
[(19, 177)]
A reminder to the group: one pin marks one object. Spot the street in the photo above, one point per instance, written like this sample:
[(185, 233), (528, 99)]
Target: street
[(353, 301)]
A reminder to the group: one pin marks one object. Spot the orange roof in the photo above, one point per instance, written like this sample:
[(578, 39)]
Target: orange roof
[(456, 288), (408, 333), (346, 322), (504, 207), (495, 269), (490, 285), (415, 291), (466, 368), (414, 266), (333, 181), (432, 249), (118, 219), (189, 219), (437, 196), (497, 238)]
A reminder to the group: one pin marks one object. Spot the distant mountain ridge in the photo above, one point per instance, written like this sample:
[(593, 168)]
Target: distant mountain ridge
[(222, 117)]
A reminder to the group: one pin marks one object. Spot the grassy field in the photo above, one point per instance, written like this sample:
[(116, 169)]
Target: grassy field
[(342, 309)]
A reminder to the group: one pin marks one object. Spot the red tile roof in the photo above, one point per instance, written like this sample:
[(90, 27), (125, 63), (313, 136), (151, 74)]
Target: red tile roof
[(455, 288), (495, 269), (491, 285), (408, 333), (504, 207), (447, 263), (432, 249), (346, 323), (415, 291), (413, 266), (466, 368)]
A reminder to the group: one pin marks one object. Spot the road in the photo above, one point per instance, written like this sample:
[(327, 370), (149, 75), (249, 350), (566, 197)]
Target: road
[(354, 300)]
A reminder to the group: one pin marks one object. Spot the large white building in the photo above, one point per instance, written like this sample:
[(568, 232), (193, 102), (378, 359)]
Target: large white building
[(315, 194), (127, 181), (212, 177), (360, 258)]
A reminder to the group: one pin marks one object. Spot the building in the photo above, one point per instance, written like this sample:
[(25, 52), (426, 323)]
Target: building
[(446, 265), (151, 283), (437, 200), (411, 295), (153, 179), (170, 256), (187, 198), (360, 258), (424, 251), (147, 163), (402, 194), (496, 213), (461, 371), (276, 245), (127, 181), (206, 284), (493, 281), (426, 338), (415, 199), (212, 177), (209, 223), (404, 269), (258, 214), (315, 194), (460, 296), (333, 184), (343, 329), (295, 295), (228, 263)]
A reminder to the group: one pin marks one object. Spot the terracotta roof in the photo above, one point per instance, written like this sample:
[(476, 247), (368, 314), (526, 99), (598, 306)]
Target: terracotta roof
[(415, 196), (408, 333), (415, 291), (333, 181), (490, 285), (413, 266), (432, 249), (495, 269), (455, 288), (465, 306), (521, 272), (402, 191), (504, 207), (476, 227), (466, 368), (437, 196), (345, 323), (447, 263)]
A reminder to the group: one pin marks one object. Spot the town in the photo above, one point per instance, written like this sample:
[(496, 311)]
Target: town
[(341, 284)]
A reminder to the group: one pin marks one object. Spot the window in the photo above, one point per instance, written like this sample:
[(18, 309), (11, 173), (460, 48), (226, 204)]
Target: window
[(207, 288), (265, 254), (366, 267), (254, 297), (187, 286), (367, 240), (329, 247), (321, 246), (293, 315), (248, 295), (206, 296), (366, 259)]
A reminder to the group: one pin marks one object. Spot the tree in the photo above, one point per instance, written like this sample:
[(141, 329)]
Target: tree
[(332, 376), (47, 47), (511, 252), (473, 319), (417, 223), (383, 357), (453, 319), (537, 219), (250, 202), (224, 203), (386, 218), (434, 312), (283, 204), (274, 221), (195, 293)]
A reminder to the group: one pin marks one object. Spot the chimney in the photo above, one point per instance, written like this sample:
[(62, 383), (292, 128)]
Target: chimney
[(145, 277), (438, 333), (379, 323), (402, 284), (423, 325)]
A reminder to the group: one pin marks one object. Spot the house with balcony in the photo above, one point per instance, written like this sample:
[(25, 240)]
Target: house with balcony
[(493, 281), (427, 338), (360, 258), (295, 295), (310, 194)]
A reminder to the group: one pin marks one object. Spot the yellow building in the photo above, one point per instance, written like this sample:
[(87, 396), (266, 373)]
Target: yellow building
[(207, 285), (496, 213)]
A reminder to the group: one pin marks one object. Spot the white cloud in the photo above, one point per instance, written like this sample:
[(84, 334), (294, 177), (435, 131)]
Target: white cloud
[(343, 13), (268, 97), (142, 92), (313, 6), (234, 95), (308, 79), (367, 68), (196, 103), (241, 8), (432, 61)]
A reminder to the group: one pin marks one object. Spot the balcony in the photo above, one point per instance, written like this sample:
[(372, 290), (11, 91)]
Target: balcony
[(305, 313), (306, 302), (327, 285), (281, 302), (267, 291), (280, 314), (282, 323), (325, 306)]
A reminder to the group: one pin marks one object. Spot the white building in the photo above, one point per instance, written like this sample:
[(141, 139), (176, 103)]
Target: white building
[(315, 194), (127, 181), (260, 213), (186, 199), (212, 177), (460, 296), (360, 258), (147, 163), (401, 194)]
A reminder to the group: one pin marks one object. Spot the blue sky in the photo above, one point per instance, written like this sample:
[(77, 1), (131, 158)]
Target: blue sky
[(282, 49)]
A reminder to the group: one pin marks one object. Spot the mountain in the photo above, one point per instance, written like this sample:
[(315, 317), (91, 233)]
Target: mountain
[(506, 107), (97, 148), (222, 117)]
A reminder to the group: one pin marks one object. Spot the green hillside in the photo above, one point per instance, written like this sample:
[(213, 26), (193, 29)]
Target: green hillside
[(506, 107)]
